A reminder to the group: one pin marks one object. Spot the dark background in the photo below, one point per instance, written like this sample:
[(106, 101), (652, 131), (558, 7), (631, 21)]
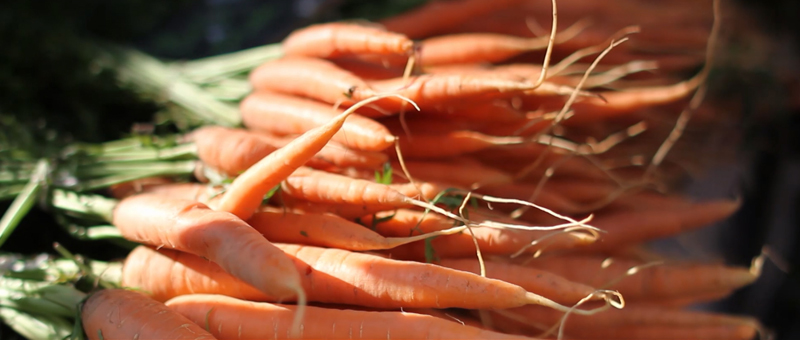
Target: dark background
[(47, 98)]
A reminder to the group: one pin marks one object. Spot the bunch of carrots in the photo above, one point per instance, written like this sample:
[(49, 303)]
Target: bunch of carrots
[(435, 178)]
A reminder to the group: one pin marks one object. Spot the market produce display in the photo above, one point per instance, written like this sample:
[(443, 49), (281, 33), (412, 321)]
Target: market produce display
[(456, 171)]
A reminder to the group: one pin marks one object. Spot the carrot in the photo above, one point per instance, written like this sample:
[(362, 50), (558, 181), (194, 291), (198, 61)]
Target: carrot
[(437, 16), (216, 235), (229, 318), (336, 39), (632, 315), (633, 227), (345, 210), (154, 272), (119, 314), (335, 154), (248, 189), (430, 90), (323, 187), (454, 143), (647, 281), (340, 276), (230, 150), (327, 230), (286, 115), (484, 47), (199, 192), (462, 173), (492, 241), (312, 78), (369, 71), (122, 190), (533, 280)]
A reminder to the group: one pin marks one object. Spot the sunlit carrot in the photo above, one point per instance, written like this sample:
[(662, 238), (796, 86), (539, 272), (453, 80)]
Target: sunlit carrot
[(288, 115), (336, 39)]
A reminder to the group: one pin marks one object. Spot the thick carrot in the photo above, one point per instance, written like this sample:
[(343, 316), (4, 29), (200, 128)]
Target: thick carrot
[(230, 150), (122, 314), (326, 230), (369, 71), (339, 276), (122, 190), (312, 78), (533, 280), (336, 39), (287, 115), (165, 273), (216, 235), (437, 16), (648, 282), (229, 318), (248, 189), (203, 193), (324, 187)]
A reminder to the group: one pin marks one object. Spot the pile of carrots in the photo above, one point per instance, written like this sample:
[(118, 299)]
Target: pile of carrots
[(446, 174)]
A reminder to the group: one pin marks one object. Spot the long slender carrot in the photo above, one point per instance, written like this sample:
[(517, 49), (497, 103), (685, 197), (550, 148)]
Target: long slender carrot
[(216, 235), (121, 314), (340, 276), (324, 187), (336, 154), (637, 280), (312, 78), (336, 39), (454, 143), (327, 230), (484, 47), (460, 173), (287, 115), (231, 318), (540, 282), (248, 189), (492, 241)]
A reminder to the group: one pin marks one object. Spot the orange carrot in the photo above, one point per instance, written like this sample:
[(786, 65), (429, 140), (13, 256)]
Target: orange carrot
[(369, 71), (461, 173), (649, 282), (335, 39), (533, 280), (122, 190), (326, 230), (156, 272), (312, 78), (122, 314), (340, 276), (216, 235), (323, 187), (229, 318), (286, 115), (230, 150), (335, 154), (437, 16), (248, 189), (492, 241), (484, 47), (453, 143)]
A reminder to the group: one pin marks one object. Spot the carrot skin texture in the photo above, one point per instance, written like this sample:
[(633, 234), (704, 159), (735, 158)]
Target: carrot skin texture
[(286, 115), (438, 16), (267, 321), (311, 78), (216, 235), (230, 150), (246, 192), (336, 39), (123, 314)]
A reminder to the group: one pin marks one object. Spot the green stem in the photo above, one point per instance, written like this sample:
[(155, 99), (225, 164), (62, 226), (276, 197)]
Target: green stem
[(211, 69), (150, 154), (24, 202), (88, 205)]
